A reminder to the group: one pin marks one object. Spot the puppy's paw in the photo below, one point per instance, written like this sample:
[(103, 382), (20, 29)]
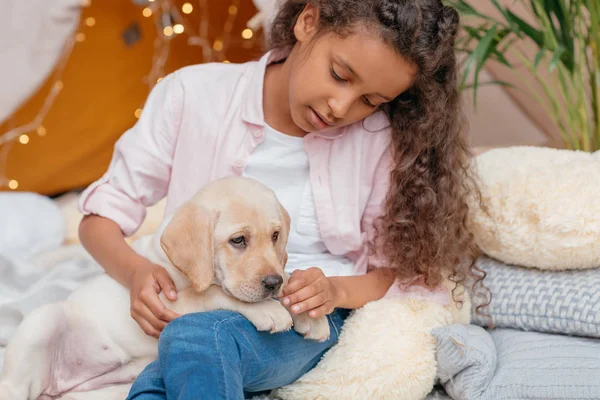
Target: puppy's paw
[(311, 328), (269, 315)]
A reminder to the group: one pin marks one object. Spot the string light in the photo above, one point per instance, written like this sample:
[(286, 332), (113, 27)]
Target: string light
[(41, 131), (147, 12), (13, 184), (138, 113), (247, 33), (178, 28), (24, 139), (187, 8), (90, 21), (80, 37), (168, 31)]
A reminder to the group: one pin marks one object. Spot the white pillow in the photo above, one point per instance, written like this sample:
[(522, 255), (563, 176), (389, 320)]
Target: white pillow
[(31, 223), (543, 206)]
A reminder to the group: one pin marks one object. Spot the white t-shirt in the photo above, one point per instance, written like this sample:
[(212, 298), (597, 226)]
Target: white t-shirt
[(281, 163)]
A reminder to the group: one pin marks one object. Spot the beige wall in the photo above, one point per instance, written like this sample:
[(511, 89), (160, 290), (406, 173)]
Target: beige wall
[(498, 121)]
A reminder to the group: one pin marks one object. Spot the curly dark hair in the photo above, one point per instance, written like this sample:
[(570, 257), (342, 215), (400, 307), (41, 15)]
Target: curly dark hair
[(423, 230)]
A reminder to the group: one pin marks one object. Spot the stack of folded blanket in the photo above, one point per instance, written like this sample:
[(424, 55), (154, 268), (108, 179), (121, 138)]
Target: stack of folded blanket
[(540, 232)]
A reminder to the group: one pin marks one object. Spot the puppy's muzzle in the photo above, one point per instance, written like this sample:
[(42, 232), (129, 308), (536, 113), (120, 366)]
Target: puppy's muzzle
[(272, 283)]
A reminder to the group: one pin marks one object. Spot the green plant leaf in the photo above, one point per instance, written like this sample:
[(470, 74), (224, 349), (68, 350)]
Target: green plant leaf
[(481, 54), (541, 39), (489, 83), (556, 57), (534, 34), (464, 8), (478, 33), (593, 7), (559, 8), (567, 36), (502, 10), (538, 58)]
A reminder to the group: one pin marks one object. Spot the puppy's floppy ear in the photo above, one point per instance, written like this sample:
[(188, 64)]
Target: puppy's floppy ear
[(188, 243), (283, 234)]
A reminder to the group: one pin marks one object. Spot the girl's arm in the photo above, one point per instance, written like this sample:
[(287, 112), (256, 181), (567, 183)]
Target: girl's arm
[(105, 242), (310, 290), (356, 291), (115, 206)]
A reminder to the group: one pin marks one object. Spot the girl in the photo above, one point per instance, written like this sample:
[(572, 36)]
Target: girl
[(353, 119)]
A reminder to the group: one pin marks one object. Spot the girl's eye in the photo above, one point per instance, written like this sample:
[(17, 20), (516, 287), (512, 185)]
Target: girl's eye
[(336, 76), (367, 102), (239, 241), (275, 236)]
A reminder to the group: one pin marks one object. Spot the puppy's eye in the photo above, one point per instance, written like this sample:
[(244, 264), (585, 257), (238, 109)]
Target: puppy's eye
[(275, 236), (239, 241)]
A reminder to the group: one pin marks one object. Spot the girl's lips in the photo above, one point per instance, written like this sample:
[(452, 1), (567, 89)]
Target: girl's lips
[(317, 121)]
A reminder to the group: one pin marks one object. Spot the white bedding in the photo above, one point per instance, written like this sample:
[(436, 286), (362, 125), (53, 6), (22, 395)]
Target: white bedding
[(41, 260), (28, 284), (31, 224), (36, 267)]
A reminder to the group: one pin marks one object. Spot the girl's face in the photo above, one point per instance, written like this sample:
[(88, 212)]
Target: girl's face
[(336, 81)]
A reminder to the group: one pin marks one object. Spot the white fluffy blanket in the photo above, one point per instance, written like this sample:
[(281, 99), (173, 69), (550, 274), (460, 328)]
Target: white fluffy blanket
[(385, 351)]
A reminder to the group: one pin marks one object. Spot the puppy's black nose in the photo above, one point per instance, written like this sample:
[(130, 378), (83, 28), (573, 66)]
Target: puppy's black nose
[(272, 282)]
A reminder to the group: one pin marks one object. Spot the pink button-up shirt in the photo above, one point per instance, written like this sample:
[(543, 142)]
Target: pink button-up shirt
[(202, 122)]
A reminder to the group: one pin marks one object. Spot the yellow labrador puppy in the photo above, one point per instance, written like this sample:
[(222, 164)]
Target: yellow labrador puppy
[(224, 249)]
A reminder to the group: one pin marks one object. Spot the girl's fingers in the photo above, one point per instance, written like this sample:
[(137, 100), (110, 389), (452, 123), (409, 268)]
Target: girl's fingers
[(301, 278), (165, 283), (146, 326), (293, 285), (158, 308), (152, 319), (324, 309), (311, 303), (305, 293)]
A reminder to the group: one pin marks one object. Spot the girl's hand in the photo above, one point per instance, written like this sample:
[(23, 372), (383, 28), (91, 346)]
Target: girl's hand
[(310, 290), (147, 281)]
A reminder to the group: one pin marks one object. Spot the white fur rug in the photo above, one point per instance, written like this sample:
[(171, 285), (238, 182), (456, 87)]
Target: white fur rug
[(437, 394)]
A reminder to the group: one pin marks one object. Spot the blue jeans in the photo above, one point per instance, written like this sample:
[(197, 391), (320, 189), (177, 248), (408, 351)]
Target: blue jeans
[(220, 355)]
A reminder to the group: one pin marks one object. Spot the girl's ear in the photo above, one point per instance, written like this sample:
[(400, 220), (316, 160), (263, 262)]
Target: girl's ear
[(306, 24)]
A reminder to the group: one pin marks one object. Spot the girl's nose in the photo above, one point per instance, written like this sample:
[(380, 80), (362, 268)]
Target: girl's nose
[(340, 105)]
